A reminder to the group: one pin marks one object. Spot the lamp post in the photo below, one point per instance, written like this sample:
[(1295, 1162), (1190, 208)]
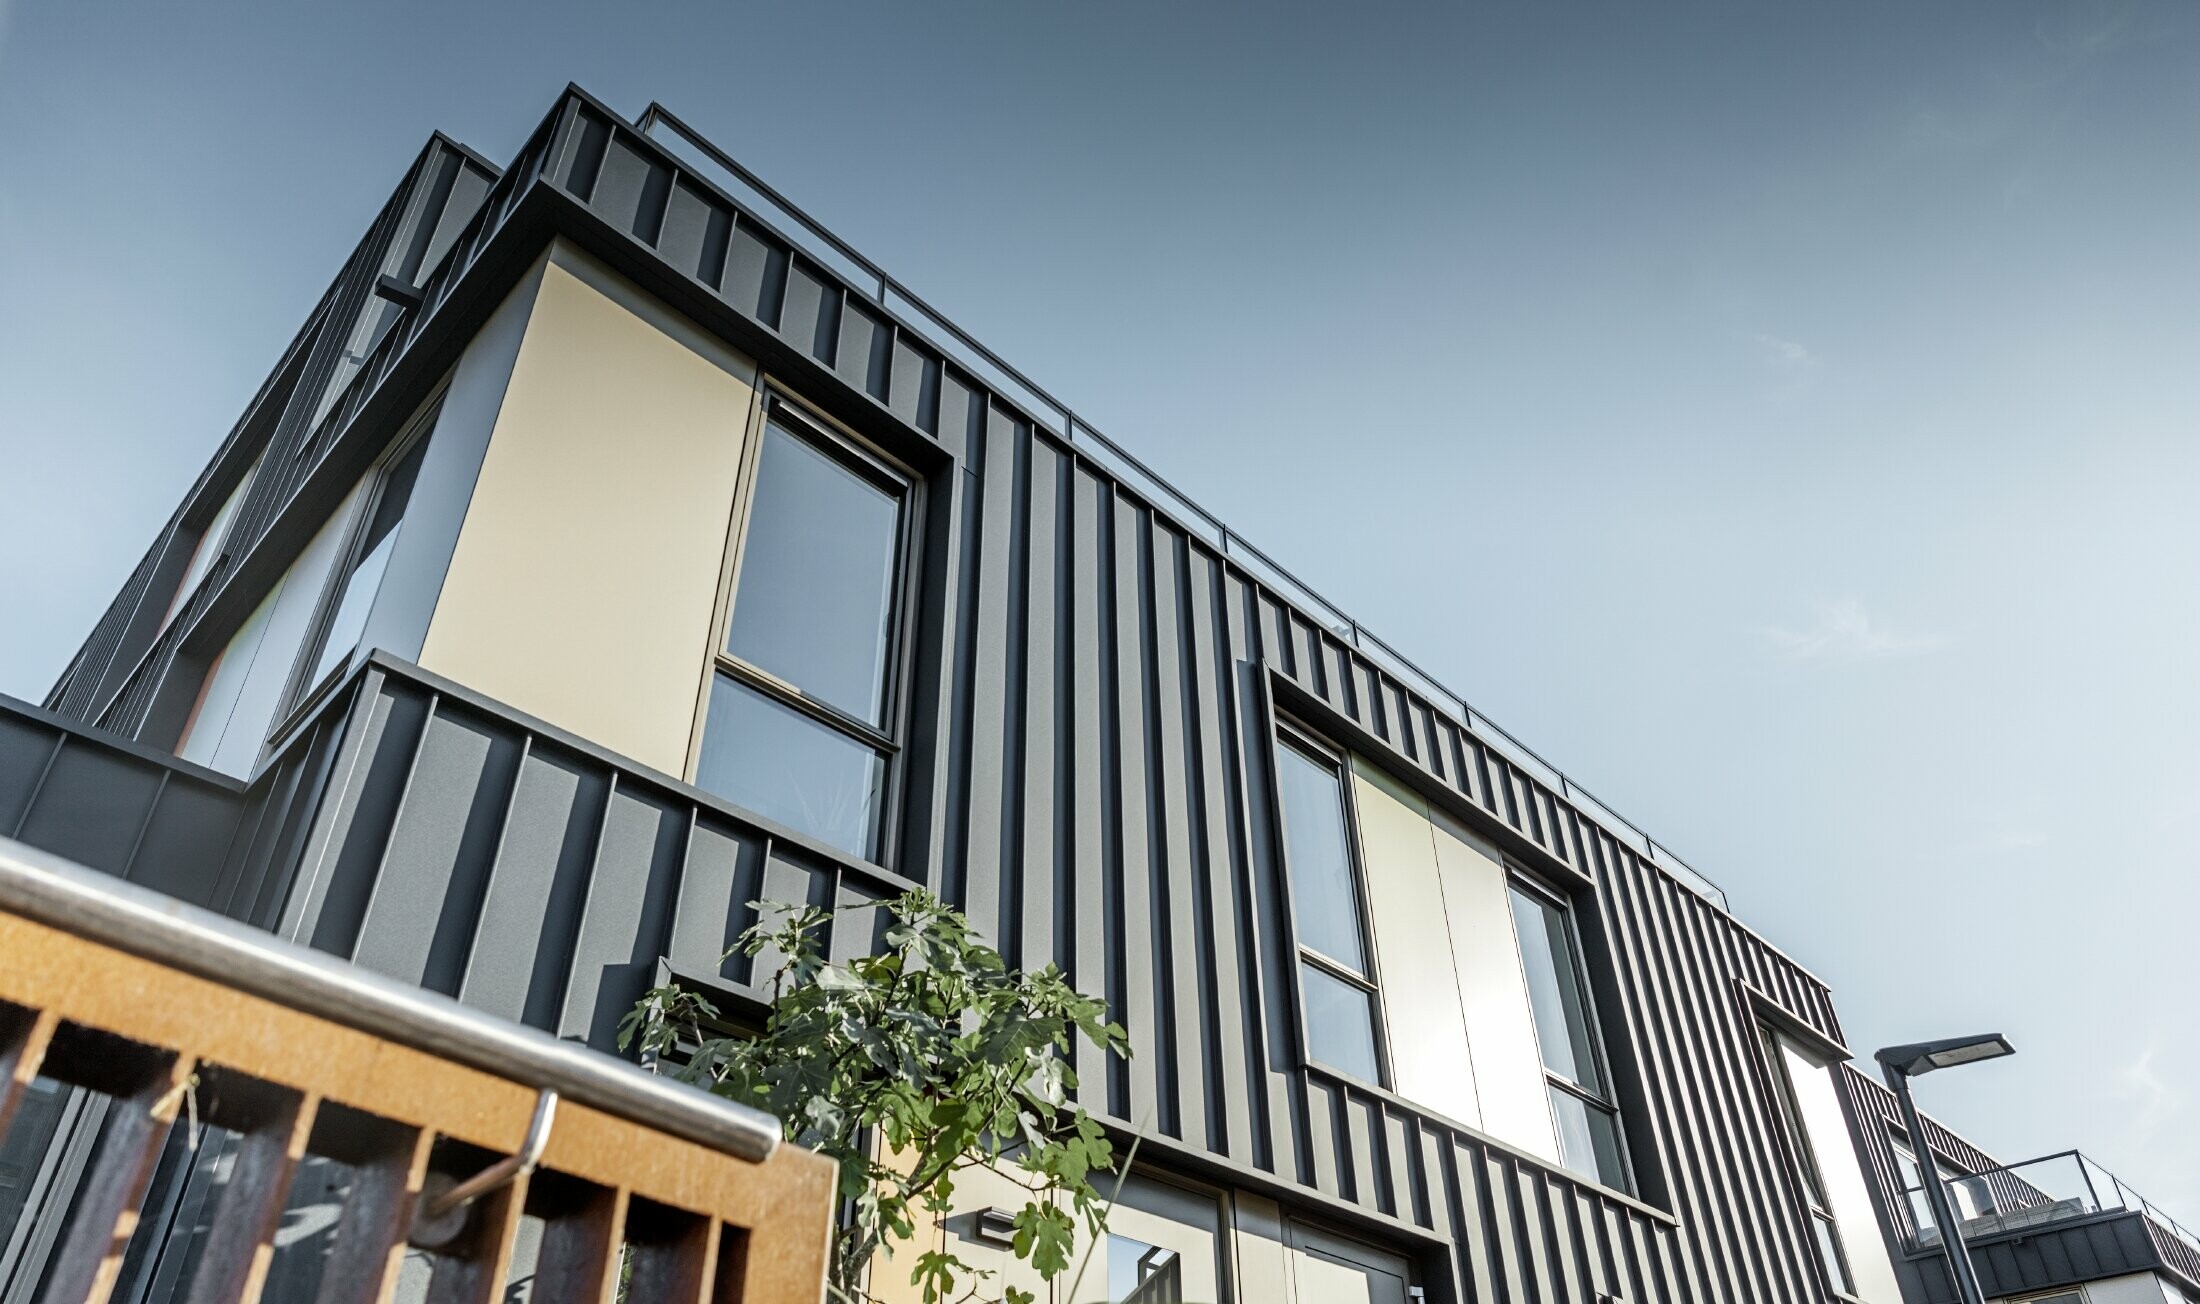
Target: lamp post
[(1900, 1064)]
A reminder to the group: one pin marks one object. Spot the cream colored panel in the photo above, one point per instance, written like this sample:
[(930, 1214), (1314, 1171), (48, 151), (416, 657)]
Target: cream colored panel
[(1413, 951), (1508, 1070), (1331, 1270), (1150, 1215), (582, 585), (1827, 1133), (2133, 1288), (978, 1189), (1257, 1246)]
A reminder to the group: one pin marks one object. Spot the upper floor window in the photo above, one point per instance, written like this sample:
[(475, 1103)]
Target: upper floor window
[(210, 546), (1337, 984), (799, 727), (370, 559), (1576, 1078), (1779, 1056)]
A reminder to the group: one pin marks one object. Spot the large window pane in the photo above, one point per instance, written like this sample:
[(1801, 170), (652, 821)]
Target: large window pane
[(1588, 1139), (814, 604), (1829, 1249), (1340, 1023), (788, 767), (346, 627), (349, 623), (1324, 899), (1562, 1024), (209, 546)]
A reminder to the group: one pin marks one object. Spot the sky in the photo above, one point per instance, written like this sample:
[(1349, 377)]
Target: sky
[(1781, 417)]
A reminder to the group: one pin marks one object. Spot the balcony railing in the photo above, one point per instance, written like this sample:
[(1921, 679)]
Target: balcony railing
[(467, 1153), (2039, 1193)]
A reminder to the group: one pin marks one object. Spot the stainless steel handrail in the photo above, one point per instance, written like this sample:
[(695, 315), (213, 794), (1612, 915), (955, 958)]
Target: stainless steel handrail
[(99, 908)]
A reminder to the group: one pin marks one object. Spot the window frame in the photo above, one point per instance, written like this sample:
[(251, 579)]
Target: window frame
[(889, 738), (302, 693), (1289, 732), (1808, 1175), (1520, 878), (1951, 1175)]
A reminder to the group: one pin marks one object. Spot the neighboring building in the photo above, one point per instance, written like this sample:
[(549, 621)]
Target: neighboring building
[(614, 547), (2059, 1229)]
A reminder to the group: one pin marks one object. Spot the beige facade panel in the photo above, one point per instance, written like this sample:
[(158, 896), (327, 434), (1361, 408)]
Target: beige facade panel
[(1262, 1254), (1508, 1069), (583, 582), (1429, 1055)]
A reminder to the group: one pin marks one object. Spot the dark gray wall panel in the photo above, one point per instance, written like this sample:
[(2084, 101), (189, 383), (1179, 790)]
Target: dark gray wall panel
[(626, 922)]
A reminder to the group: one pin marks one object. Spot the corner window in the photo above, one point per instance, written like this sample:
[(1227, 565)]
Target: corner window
[(1575, 1075), (1336, 969), (347, 621), (210, 546), (799, 724), (1824, 1230)]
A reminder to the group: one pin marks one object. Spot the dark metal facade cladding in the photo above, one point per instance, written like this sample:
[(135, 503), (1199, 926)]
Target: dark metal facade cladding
[(2014, 1263), (145, 816), (1087, 773), (114, 676)]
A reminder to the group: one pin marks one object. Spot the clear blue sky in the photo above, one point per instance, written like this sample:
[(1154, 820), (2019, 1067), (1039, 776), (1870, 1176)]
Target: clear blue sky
[(1781, 416)]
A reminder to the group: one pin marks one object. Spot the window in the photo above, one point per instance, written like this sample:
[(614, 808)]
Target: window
[(347, 622), (208, 550), (1972, 1196), (1778, 1057), (241, 692), (1579, 1087), (1163, 1245), (1336, 969), (798, 727)]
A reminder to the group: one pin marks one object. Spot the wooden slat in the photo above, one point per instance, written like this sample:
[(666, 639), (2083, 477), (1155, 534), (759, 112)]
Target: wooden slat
[(579, 1259), (672, 1258), (23, 1041), (370, 1236), (90, 1256), (233, 1266)]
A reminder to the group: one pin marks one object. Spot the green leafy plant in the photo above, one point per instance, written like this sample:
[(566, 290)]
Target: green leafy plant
[(908, 1068)]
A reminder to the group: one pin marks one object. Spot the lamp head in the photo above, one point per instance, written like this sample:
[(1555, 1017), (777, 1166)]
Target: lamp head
[(1926, 1056)]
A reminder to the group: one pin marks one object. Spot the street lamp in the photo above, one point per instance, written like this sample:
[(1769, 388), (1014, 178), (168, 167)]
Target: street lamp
[(1900, 1064)]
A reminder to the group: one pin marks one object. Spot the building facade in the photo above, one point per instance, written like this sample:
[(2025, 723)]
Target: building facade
[(2059, 1229), (613, 548)]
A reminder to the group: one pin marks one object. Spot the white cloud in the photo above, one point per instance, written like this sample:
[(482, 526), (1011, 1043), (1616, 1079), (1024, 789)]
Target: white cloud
[(1843, 631), (2156, 1102), (2018, 840), (1785, 353)]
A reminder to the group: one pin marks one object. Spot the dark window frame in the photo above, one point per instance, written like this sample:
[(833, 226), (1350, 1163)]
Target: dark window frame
[(1288, 732), (1953, 1176), (1808, 1176), (303, 693), (1520, 878), (890, 738)]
